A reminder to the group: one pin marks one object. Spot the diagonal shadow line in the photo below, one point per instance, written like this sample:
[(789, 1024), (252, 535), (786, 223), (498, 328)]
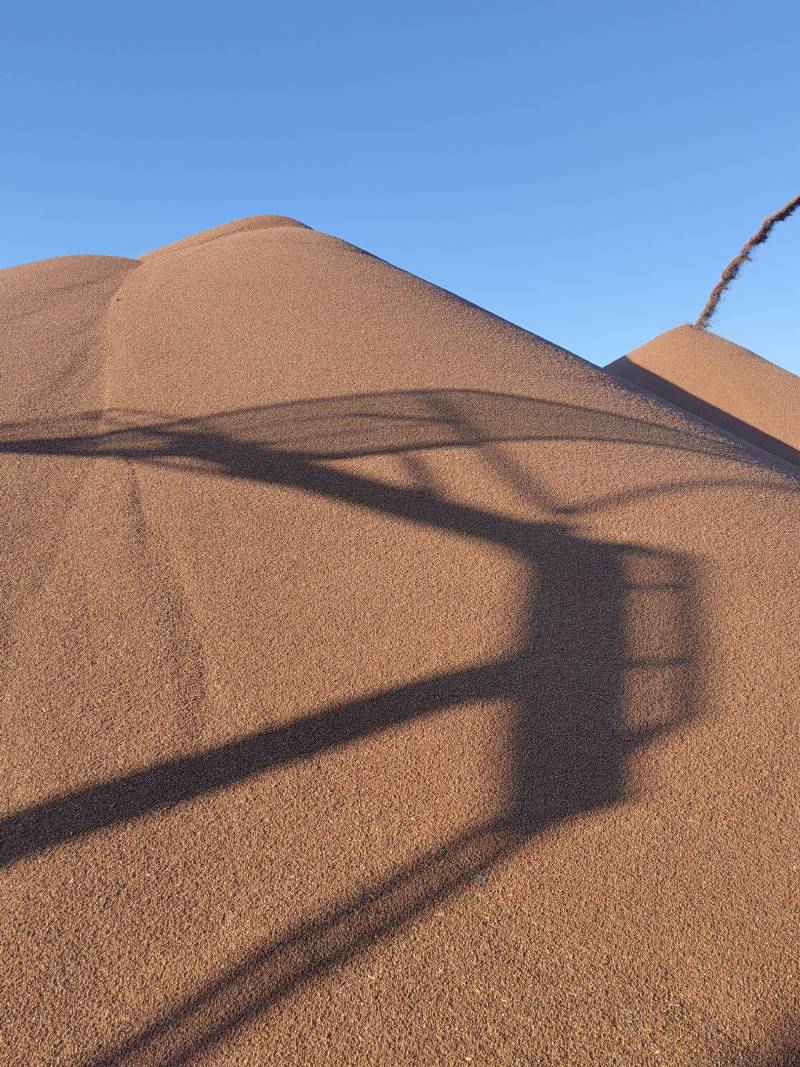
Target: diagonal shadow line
[(164, 785), (311, 950)]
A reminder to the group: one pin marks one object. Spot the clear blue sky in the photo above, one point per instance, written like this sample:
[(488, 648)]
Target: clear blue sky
[(584, 169)]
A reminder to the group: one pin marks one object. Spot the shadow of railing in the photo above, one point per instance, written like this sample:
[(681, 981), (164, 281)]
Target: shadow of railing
[(349, 426), (566, 676)]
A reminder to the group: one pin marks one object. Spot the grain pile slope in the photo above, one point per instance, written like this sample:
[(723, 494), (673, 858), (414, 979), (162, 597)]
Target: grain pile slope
[(382, 683), (723, 383)]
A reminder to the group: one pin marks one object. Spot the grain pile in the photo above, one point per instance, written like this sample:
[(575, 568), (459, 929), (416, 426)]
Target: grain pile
[(725, 384), (381, 683)]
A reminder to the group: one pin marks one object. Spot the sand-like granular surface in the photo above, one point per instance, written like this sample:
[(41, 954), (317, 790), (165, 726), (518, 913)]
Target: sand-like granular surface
[(381, 684), (725, 384)]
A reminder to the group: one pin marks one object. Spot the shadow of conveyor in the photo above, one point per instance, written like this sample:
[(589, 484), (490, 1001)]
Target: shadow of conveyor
[(572, 743)]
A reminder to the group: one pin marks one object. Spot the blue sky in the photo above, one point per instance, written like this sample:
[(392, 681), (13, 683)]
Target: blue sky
[(583, 169)]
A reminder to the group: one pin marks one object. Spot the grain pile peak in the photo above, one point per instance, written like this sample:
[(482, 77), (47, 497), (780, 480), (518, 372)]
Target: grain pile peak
[(723, 383)]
